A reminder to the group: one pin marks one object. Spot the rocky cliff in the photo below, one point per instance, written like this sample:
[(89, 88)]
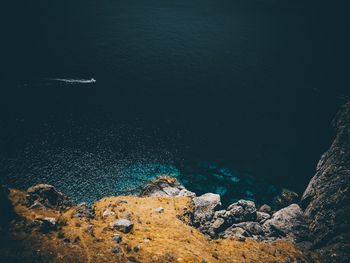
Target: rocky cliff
[(327, 197)]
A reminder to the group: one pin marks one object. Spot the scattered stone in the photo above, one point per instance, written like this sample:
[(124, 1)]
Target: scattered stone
[(137, 248), (122, 225), (108, 212), (48, 196), (171, 191), (288, 222), (265, 209), (286, 198), (159, 209), (116, 249), (117, 238), (83, 210)]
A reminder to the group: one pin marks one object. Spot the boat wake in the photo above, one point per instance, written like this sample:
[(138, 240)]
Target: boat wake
[(73, 81)]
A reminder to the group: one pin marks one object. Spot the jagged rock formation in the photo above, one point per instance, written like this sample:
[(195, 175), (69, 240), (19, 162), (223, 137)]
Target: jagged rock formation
[(327, 197), (46, 196)]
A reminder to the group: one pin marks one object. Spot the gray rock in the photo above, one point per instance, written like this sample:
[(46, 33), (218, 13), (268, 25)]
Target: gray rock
[(235, 233), (159, 209), (122, 225), (186, 193), (117, 238), (246, 229), (48, 196), (241, 211), (265, 209), (204, 208), (288, 222), (286, 198), (261, 217), (327, 198), (165, 186)]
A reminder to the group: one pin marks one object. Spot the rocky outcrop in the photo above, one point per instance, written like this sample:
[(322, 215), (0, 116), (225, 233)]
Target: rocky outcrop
[(288, 222), (46, 196), (327, 197), (165, 186)]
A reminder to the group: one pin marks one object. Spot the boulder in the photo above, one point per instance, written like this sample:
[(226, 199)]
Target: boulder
[(122, 225), (286, 198), (243, 210), (48, 196), (204, 208), (288, 222)]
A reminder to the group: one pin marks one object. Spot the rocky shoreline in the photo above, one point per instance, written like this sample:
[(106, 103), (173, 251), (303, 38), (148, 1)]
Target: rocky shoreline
[(168, 223)]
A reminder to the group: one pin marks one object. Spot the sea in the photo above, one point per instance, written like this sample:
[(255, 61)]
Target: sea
[(229, 96)]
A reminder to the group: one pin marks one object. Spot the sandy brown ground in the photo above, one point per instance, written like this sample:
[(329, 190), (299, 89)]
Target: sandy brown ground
[(156, 237)]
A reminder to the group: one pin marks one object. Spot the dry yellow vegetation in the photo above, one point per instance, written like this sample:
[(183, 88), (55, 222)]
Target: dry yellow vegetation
[(155, 237)]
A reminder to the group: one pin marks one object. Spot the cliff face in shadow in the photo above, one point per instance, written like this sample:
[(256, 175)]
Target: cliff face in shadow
[(327, 198)]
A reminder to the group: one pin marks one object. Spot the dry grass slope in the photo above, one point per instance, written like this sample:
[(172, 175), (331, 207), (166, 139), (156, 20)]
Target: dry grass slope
[(155, 237)]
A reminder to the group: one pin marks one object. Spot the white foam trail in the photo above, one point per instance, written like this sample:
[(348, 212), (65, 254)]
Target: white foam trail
[(72, 81)]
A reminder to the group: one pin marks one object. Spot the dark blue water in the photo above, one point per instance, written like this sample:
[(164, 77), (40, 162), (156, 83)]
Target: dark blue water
[(247, 88)]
